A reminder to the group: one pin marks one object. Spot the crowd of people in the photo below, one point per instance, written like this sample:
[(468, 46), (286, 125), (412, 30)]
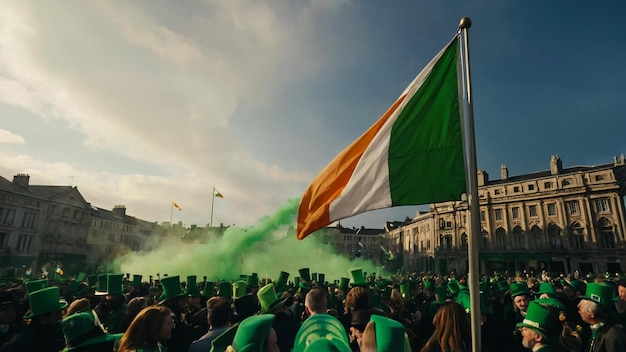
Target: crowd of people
[(359, 312)]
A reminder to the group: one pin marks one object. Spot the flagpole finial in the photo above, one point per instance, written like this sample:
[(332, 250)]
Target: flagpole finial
[(465, 23)]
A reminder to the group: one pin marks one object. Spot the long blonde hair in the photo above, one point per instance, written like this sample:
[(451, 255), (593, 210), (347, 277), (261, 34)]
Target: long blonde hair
[(452, 330), (145, 329)]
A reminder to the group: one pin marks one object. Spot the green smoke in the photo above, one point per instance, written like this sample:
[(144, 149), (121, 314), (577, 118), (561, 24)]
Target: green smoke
[(266, 248)]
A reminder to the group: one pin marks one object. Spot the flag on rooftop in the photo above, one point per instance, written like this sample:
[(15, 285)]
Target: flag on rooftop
[(412, 155), (217, 193), (176, 206)]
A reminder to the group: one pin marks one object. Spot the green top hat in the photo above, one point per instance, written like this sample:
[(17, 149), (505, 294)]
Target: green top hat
[(321, 279), (357, 278), (269, 299), (282, 280), (92, 280), (503, 286), (80, 277), (321, 332), (314, 277), (44, 301), (82, 329), (35, 285), (253, 280), (171, 288), (546, 287), (115, 285), (389, 334), (207, 291), (343, 284), (429, 283), (453, 287), (137, 280), (552, 302), (304, 274), (221, 342), (239, 289), (252, 333), (296, 281), (192, 287), (225, 289), (101, 285), (518, 289), (538, 317), (577, 285), (600, 293)]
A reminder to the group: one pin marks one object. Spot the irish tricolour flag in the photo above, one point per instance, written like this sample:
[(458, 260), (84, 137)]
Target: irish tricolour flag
[(412, 155)]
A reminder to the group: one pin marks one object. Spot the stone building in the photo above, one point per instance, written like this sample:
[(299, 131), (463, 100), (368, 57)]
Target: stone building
[(558, 220)]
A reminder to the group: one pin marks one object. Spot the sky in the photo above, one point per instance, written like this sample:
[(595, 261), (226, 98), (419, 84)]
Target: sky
[(145, 103)]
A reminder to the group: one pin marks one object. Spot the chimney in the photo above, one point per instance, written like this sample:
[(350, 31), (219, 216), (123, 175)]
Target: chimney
[(119, 210), (556, 165), (504, 172), (483, 177), (21, 180)]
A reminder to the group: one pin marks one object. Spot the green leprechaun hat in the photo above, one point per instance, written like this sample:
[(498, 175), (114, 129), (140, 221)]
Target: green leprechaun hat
[(82, 329), (343, 284), (540, 318), (305, 274), (281, 282), (321, 279), (115, 284), (239, 289), (252, 333), (356, 277), (389, 334), (137, 280), (221, 342), (519, 289), (253, 280), (171, 288), (35, 285), (269, 299), (192, 286), (321, 332), (600, 293), (207, 291), (225, 289), (547, 288), (101, 285), (441, 294), (44, 301)]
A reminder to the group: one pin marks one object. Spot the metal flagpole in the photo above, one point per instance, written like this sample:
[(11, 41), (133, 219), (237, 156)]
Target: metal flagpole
[(212, 203), (171, 212), (472, 192)]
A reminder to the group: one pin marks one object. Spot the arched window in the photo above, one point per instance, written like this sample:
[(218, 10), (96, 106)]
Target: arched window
[(464, 241), (535, 237), (484, 244), (607, 236), (554, 233), (500, 239), (578, 235), (518, 238)]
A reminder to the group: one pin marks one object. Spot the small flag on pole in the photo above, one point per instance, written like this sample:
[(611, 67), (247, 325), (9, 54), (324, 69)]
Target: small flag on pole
[(217, 193), (176, 206)]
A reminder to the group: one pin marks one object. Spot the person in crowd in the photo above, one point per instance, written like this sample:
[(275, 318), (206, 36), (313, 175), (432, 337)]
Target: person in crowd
[(452, 330), (78, 306), (83, 333), (595, 310), (134, 306), (10, 323), (218, 316), (255, 333), (521, 297), (285, 326), (316, 302), (175, 299), (149, 330), (383, 334), (620, 303), (569, 338), (43, 333), (112, 308), (540, 328)]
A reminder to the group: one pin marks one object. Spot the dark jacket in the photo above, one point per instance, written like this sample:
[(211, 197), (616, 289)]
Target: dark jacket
[(609, 338)]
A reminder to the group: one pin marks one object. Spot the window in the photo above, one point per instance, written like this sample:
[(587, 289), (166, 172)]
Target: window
[(572, 207), (498, 214), (482, 215), (496, 192), (516, 189), (518, 238), (532, 210), (580, 241), (500, 239), (602, 205), (28, 222), (485, 242), (7, 216), (566, 182), (448, 239), (515, 212), (552, 209), (547, 184), (448, 224), (3, 238), (599, 177), (531, 187), (554, 232), (464, 241), (23, 243), (535, 240), (606, 234), (428, 245)]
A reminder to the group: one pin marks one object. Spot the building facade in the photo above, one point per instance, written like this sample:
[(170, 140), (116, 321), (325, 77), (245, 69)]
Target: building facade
[(559, 220)]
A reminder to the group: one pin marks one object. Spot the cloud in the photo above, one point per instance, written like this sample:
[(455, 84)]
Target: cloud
[(9, 137)]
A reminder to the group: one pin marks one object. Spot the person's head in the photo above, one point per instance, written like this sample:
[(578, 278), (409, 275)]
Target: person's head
[(621, 289), (46, 306), (315, 301), (255, 333), (152, 325), (358, 298), (541, 326), (83, 332), (452, 328), (136, 305), (520, 302), (78, 306), (383, 334), (218, 311), (591, 312)]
